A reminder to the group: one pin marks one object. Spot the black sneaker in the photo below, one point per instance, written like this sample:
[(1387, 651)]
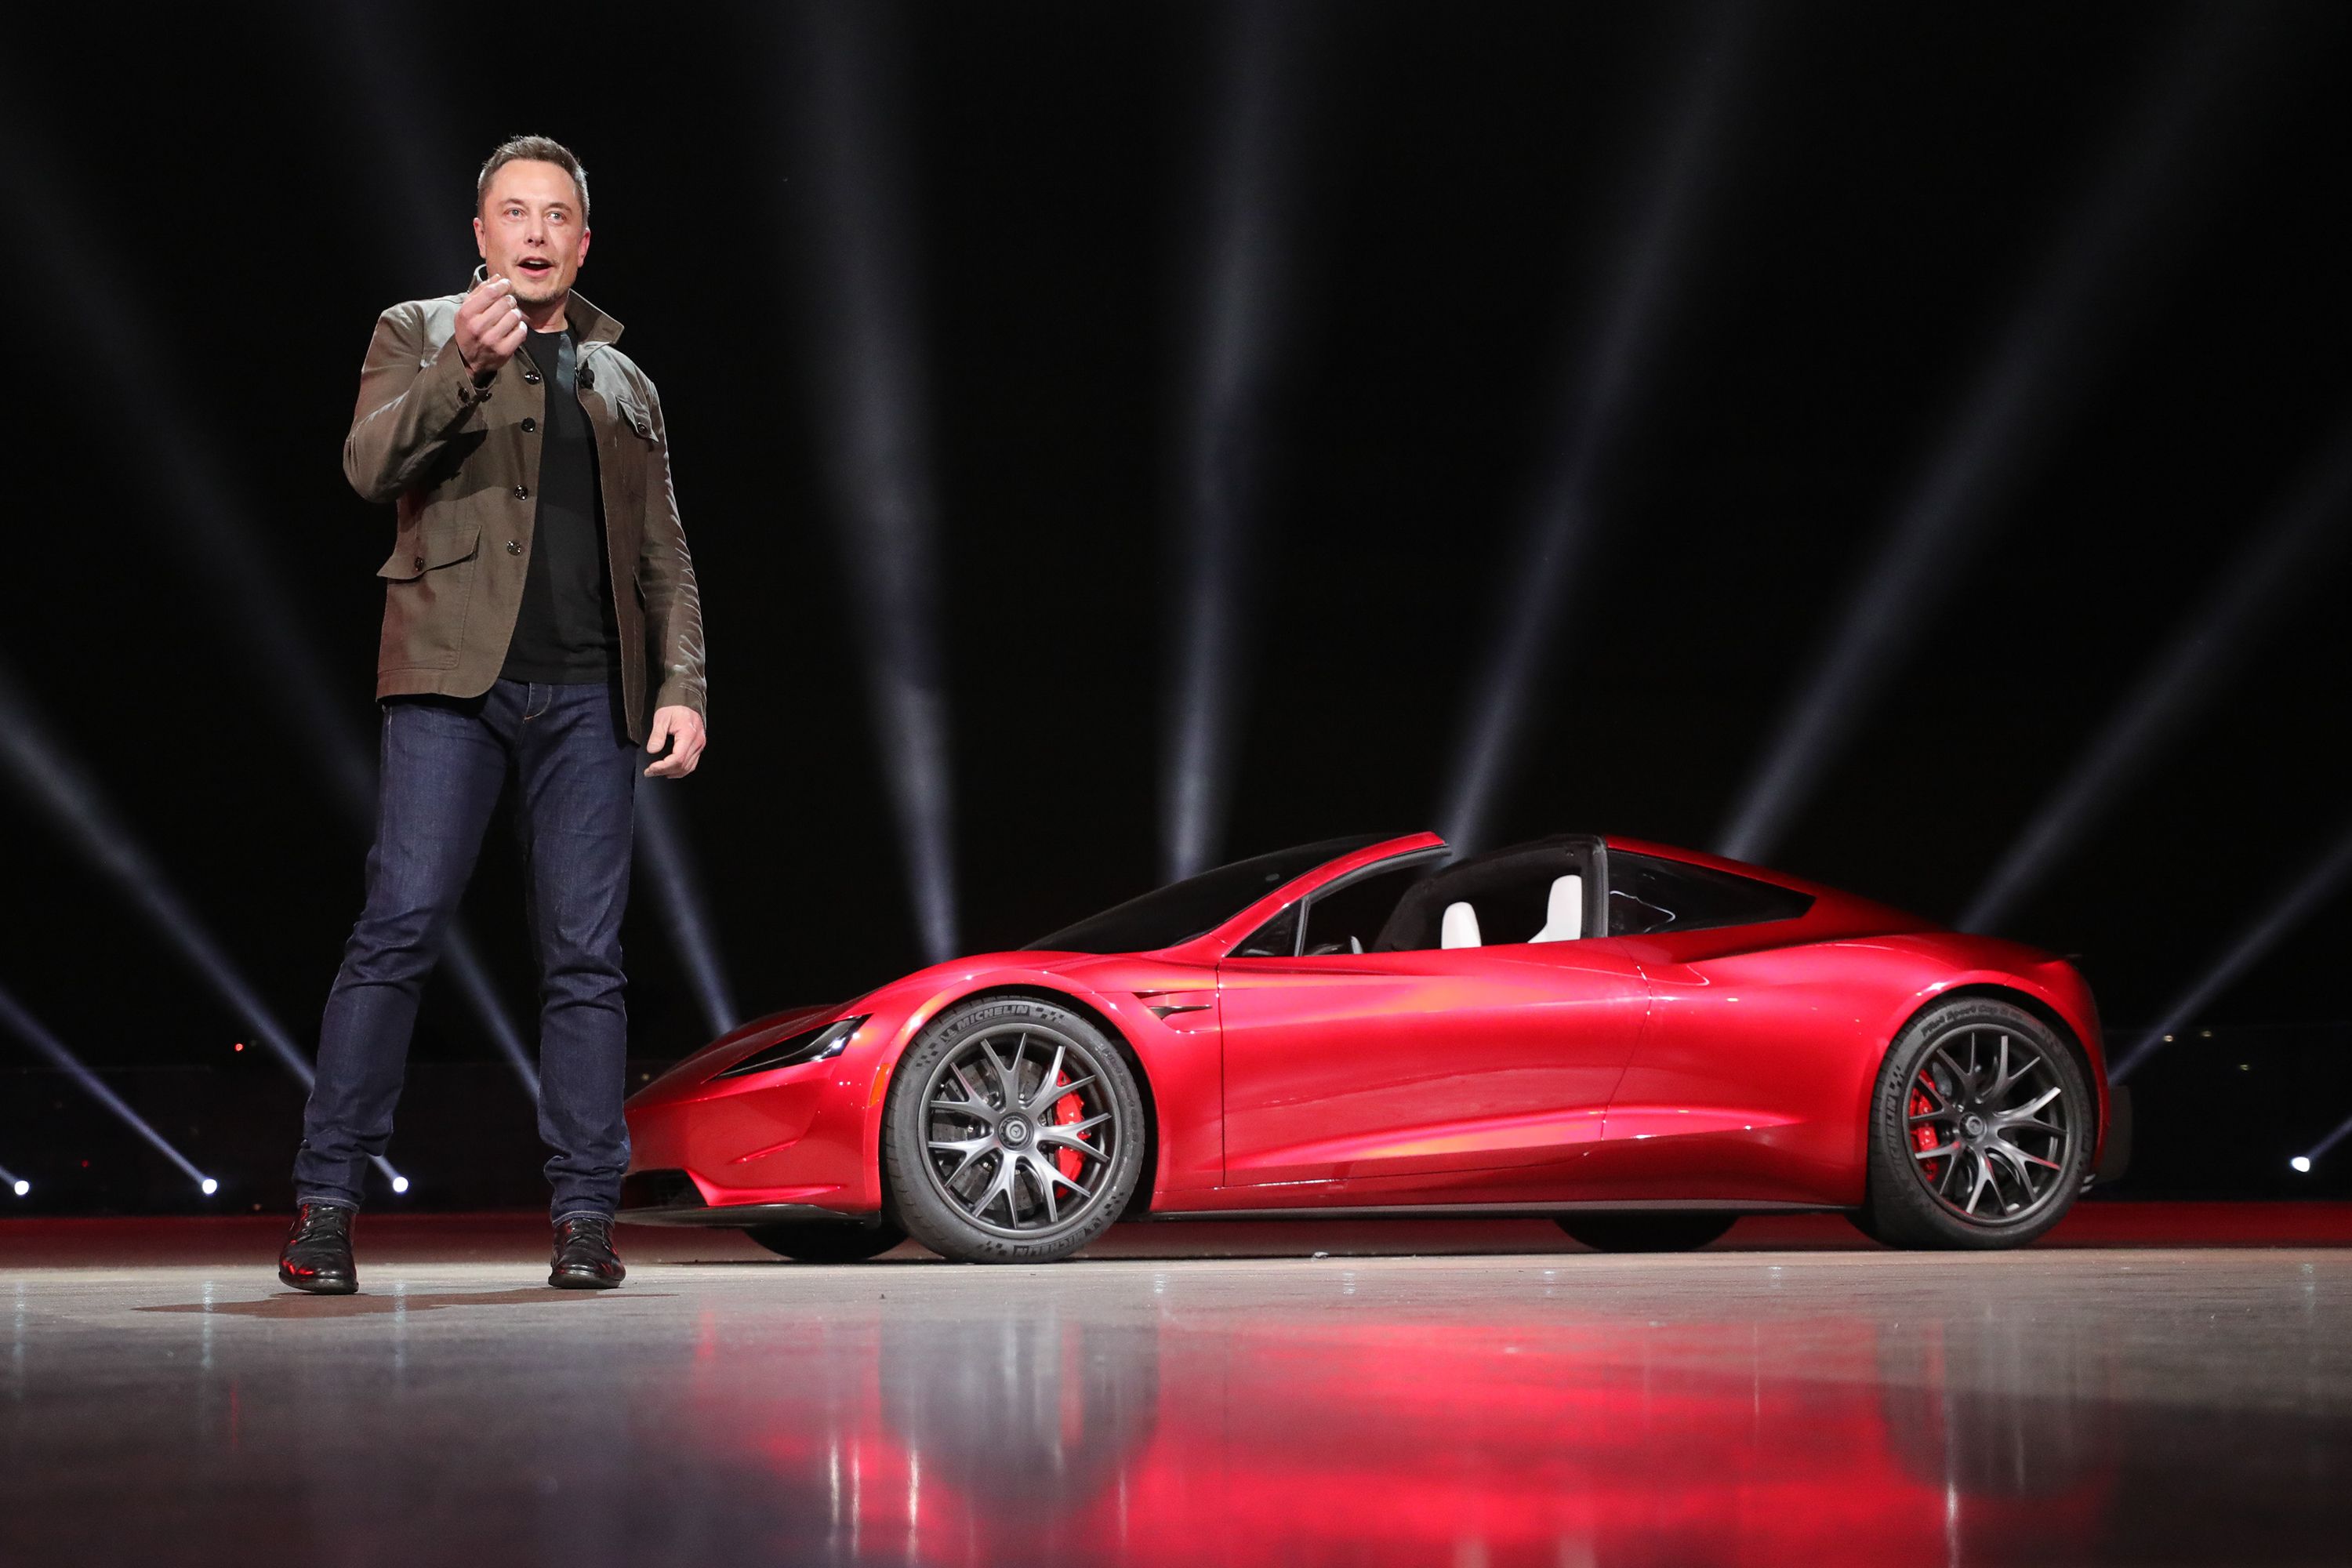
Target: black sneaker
[(317, 1255), (584, 1258)]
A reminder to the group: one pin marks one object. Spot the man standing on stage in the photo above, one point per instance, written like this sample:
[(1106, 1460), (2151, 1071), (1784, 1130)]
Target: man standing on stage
[(539, 584)]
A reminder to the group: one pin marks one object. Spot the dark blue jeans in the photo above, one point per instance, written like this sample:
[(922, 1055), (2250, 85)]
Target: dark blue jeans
[(444, 762)]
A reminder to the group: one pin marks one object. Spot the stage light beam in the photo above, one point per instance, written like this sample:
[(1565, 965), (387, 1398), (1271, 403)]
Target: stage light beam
[(74, 802), (2307, 893), (15, 1183), (241, 573), (2010, 413), (878, 448), (1238, 315), (679, 894), (2184, 675), (1603, 382), (30, 1029)]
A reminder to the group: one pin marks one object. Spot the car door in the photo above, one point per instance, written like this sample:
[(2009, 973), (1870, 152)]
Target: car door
[(1352, 1064)]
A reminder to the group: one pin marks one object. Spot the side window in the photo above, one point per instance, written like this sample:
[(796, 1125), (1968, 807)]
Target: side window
[(1533, 893), (1350, 918), (1648, 895), (1278, 937)]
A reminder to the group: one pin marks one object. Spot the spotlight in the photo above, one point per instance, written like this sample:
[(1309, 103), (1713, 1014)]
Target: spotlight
[(209, 517), (2010, 412), (2302, 1163), (1237, 317), (1605, 379), (208, 1186), (878, 452), (20, 1186), (400, 1183), (679, 890), (31, 1031), (2185, 675), (2308, 892)]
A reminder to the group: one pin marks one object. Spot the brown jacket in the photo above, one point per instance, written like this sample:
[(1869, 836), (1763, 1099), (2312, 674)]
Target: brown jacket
[(462, 464)]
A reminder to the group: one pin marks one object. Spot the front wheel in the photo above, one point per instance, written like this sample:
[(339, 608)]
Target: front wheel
[(1014, 1132), (820, 1241), (1980, 1129), (1646, 1231)]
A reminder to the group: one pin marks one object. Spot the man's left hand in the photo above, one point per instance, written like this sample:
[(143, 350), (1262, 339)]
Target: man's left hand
[(682, 728)]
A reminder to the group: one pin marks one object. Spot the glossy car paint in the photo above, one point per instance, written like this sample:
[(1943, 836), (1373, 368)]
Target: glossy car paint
[(1728, 1067)]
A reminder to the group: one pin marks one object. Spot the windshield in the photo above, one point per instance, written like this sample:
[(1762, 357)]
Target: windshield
[(1183, 911)]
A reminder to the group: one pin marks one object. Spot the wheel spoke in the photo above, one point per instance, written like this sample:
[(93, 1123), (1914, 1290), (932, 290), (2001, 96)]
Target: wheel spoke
[(1066, 1133), (1984, 1180), (1063, 1093), (1923, 1155), (970, 1088), (1053, 1071), (971, 1149)]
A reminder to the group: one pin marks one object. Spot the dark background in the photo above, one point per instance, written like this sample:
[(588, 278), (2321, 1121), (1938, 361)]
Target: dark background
[(210, 206)]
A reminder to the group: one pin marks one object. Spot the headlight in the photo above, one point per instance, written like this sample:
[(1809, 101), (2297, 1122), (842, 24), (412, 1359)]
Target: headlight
[(808, 1046)]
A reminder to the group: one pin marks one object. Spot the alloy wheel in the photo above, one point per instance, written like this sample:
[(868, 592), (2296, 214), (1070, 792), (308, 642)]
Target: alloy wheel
[(1021, 1130), (1989, 1125)]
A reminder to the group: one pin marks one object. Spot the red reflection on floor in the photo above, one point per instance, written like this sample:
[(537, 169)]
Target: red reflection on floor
[(1308, 1440)]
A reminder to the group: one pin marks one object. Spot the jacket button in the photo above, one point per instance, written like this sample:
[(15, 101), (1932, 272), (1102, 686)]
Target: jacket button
[(531, 377), (523, 492), (420, 563), (529, 425), (513, 548)]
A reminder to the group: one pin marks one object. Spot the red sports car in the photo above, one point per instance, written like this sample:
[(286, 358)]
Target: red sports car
[(1643, 1042)]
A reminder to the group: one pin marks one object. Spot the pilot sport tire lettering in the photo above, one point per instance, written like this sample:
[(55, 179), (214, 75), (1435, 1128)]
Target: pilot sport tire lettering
[(1643, 1232), (1014, 1132), (818, 1241), (1982, 1129)]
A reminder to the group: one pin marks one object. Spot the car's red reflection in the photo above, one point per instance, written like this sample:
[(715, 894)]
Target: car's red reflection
[(1302, 1438)]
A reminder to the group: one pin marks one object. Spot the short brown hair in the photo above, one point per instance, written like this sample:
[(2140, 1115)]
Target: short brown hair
[(537, 149)]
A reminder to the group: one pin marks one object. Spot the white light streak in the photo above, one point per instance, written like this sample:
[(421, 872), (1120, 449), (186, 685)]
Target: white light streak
[(2184, 675), (30, 1029), (74, 802), (1604, 381), (1239, 316), (2012, 412), (677, 890), (208, 523), (877, 445), (2309, 893)]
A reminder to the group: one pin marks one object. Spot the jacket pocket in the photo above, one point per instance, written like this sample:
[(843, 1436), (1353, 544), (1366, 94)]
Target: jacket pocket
[(432, 548), (634, 419)]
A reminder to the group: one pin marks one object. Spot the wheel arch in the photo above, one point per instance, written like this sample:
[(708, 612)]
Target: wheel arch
[(1086, 1008), (2040, 1009)]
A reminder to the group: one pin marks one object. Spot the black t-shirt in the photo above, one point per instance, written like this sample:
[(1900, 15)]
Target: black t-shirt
[(565, 630)]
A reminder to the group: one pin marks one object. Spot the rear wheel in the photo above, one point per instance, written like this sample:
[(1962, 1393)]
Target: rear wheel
[(1013, 1133), (1641, 1232), (1980, 1129), (824, 1241)]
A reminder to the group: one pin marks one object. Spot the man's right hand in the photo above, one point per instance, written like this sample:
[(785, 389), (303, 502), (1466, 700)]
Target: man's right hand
[(490, 327)]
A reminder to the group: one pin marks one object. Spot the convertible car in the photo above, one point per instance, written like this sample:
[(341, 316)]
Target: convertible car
[(1641, 1042)]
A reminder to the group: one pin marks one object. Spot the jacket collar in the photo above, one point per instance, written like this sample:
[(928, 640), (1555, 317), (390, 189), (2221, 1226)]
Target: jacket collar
[(589, 324)]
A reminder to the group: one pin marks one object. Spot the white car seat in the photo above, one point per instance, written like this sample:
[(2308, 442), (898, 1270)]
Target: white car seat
[(1460, 926), (1564, 916)]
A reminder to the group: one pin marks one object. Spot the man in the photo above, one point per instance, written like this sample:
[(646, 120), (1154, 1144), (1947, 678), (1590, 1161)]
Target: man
[(540, 624)]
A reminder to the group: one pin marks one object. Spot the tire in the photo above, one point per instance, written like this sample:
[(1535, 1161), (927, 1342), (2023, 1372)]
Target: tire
[(2009, 1099), (987, 1163), (823, 1241), (1646, 1231)]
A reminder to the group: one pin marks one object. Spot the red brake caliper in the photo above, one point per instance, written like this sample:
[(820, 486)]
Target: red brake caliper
[(1065, 1111), (1923, 1136)]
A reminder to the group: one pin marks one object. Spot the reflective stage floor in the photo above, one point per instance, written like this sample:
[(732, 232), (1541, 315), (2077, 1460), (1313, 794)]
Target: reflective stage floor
[(1784, 1397)]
